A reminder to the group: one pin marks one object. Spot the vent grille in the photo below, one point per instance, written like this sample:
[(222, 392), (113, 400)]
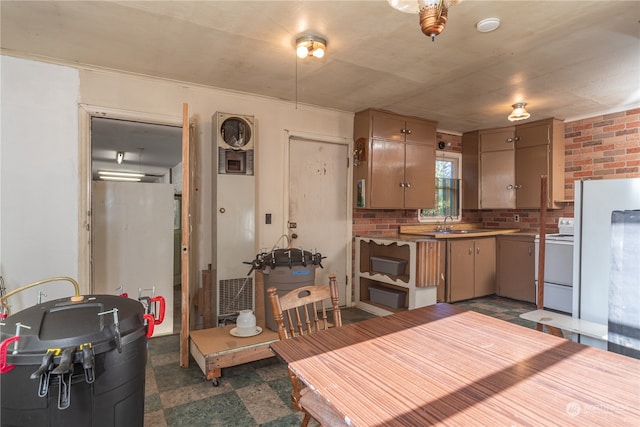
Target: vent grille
[(235, 295)]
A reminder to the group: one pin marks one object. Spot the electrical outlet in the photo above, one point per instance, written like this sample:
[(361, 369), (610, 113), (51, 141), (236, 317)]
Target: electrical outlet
[(516, 218)]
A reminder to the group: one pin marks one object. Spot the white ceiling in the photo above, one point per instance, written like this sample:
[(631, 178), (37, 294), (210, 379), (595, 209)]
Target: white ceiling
[(567, 59)]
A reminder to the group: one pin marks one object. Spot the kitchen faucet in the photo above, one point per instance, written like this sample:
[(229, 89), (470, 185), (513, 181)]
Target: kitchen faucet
[(444, 224)]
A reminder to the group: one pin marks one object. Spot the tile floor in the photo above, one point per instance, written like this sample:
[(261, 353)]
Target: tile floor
[(254, 394)]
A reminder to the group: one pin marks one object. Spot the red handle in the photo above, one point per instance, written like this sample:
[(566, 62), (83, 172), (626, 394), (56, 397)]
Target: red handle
[(3, 354), (159, 313), (150, 324), (124, 295)]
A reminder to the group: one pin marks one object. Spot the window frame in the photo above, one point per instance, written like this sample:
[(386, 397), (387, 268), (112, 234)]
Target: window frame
[(457, 159)]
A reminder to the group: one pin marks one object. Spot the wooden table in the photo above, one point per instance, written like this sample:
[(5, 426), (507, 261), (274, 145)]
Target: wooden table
[(215, 348), (442, 365)]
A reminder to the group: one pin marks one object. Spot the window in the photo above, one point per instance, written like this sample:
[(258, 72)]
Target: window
[(448, 190)]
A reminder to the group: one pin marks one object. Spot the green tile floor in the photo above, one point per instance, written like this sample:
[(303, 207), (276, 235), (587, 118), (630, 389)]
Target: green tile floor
[(253, 394)]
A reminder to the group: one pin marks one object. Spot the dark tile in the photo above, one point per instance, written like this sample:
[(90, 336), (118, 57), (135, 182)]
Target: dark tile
[(152, 403), (164, 344), (225, 410), (282, 386), (291, 420), (172, 376), (241, 376)]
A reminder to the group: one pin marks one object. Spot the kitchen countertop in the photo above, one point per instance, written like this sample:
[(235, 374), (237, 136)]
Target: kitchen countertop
[(460, 231), (424, 235)]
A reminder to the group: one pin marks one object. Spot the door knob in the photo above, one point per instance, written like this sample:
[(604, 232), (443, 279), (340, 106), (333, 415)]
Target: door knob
[(222, 210), (294, 236)]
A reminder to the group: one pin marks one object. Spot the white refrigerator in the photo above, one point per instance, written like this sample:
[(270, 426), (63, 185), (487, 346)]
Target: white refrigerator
[(606, 260)]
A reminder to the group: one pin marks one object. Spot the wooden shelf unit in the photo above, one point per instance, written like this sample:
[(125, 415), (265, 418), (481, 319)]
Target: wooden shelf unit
[(414, 282)]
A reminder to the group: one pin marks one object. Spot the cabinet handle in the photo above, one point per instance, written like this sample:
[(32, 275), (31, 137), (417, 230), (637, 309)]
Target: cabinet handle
[(403, 131), (478, 250), (402, 184), (517, 138), (470, 251), (518, 186), (510, 187), (529, 251), (510, 139), (408, 131), (407, 184)]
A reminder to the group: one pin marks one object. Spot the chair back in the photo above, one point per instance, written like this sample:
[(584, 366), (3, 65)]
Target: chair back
[(304, 310)]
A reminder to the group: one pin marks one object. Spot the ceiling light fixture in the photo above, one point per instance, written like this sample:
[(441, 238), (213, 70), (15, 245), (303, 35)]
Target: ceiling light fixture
[(310, 46), (519, 112), (119, 157), (433, 13)]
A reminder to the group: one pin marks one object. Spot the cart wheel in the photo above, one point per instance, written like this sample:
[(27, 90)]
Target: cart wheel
[(215, 382)]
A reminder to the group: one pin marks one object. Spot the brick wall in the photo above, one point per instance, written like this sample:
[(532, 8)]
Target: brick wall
[(600, 147)]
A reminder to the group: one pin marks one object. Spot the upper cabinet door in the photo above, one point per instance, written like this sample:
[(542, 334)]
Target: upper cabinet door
[(419, 176), (533, 134), (497, 139), (387, 126), (387, 174)]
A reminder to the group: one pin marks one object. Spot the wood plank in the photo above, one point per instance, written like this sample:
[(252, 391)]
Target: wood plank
[(186, 236)]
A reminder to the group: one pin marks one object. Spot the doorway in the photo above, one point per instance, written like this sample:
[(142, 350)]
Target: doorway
[(136, 178)]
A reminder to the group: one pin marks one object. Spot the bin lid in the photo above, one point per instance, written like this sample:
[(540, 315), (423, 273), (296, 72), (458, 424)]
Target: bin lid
[(63, 323)]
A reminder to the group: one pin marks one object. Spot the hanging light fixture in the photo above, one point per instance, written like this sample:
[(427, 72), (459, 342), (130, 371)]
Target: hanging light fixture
[(433, 13), (310, 46), (519, 112)]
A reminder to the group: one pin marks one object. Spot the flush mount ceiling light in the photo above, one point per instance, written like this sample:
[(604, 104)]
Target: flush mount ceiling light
[(310, 46), (519, 112), (488, 25), (433, 13), (119, 157)]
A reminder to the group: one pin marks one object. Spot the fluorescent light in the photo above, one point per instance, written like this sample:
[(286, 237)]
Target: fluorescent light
[(119, 178), (121, 174)]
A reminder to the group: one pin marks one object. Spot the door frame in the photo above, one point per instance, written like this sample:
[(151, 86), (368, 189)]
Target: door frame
[(85, 113), (327, 139)]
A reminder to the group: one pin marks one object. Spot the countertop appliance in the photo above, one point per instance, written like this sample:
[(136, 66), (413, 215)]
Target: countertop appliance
[(558, 267), (606, 256)]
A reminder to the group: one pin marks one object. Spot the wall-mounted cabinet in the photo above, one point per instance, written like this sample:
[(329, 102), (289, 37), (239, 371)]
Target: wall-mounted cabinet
[(396, 161), (471, 268), (489, 169), (420, 277), (539, 151), (502, 167)]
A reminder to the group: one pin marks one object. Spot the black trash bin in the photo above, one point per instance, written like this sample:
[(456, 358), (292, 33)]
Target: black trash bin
[(286, 269), (75, 366)]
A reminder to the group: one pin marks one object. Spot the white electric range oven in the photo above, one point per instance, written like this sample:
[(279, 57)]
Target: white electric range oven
[(558, 267)]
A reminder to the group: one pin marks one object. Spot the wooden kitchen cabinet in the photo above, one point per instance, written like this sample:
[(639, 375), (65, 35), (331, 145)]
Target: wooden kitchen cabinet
[(539, 151), (502, 167), (471, 268), (488, 164), (396, 168), (516, 267)]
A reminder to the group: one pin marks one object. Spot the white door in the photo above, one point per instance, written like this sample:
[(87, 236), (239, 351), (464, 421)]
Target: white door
[(318, 206), (133, 241)]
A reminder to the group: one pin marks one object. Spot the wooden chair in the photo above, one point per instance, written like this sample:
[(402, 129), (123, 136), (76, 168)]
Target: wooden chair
[(304, 311)]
